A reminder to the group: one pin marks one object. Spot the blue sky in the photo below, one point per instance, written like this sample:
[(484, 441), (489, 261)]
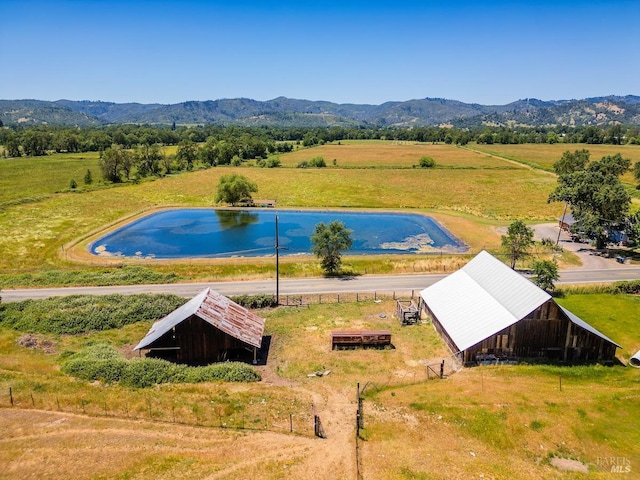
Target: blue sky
[(154, 51)]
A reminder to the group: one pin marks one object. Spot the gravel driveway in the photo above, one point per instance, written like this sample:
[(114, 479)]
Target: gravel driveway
[(591, 260)]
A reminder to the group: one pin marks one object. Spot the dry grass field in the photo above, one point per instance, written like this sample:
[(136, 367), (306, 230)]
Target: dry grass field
[(371, 154), (544, 155), (504, 422)]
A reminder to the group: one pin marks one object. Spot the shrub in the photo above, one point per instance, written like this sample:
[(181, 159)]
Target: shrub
[(272, 162), (317, 162), (631, 287), (144, 373), (104, 363), (255, 301), (427, 162), (76, 314), (96, 362)]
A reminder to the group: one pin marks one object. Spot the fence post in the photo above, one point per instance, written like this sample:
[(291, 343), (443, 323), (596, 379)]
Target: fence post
[(291, 422), (11, 396), (33, 402)]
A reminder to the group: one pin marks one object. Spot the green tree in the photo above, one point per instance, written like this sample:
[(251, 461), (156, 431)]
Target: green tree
[(73, 184), (517, 241), (88, 177), (328, 243), (235, 188), (596, 195), (148, 159), (187, 153), (545, 274), (571, 162), (115, 163), (636, 171)]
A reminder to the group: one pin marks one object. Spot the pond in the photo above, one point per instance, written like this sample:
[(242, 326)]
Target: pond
[(222, 233)]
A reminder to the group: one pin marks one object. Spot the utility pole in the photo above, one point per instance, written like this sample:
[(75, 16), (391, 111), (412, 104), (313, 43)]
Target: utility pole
[(277, 265), (561, 223)]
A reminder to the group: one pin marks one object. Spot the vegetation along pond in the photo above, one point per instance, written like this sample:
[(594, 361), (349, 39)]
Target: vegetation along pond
[(224, 233)]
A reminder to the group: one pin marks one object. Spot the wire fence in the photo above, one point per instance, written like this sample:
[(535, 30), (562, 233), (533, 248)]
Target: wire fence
[(143, 405), (440, 369), (345, 297)]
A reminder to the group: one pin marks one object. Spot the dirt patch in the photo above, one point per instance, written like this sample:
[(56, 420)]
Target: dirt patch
[(569, 465), (35, 342)]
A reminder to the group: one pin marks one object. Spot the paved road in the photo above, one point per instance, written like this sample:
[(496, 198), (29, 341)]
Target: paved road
[(366, 283), (594, 269)]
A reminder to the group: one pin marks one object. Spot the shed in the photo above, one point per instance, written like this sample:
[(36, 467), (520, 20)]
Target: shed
[(486, 308), (208, 328)]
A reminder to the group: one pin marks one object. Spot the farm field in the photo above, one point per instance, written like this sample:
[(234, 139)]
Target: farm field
[(506, 422), (471, 194), (387, 154), (544, 155)]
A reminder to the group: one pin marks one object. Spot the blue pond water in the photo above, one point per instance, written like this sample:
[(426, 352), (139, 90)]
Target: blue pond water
[(190, 233)]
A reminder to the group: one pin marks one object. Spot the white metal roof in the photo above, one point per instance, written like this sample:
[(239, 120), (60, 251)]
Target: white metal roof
[(215, 309), (484, 297)]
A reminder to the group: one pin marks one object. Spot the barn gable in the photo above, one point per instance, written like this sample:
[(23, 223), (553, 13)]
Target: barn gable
[(486, 307), (204, 329)]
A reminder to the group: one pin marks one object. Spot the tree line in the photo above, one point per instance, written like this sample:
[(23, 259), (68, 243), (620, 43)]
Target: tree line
[(254, 142)]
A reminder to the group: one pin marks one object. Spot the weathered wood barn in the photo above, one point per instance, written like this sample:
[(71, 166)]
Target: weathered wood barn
[(208, 328), (486, 308)]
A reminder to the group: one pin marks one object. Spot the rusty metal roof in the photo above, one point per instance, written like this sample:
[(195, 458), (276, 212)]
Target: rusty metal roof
[(216, 309)]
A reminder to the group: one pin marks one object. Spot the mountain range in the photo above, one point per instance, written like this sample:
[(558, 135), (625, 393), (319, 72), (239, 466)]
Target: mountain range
[(289, 112)]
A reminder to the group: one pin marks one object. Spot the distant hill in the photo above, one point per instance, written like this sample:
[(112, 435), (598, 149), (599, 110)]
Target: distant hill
[(284, 111)]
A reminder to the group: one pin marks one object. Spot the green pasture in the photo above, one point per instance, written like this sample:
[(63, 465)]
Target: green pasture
[(33, 179), (38, 234)]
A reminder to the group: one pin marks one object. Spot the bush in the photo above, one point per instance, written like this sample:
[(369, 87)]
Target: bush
[(128, 275), (315, 162), (255, 301), (631, 287), (102, 362), (272, 162), (144, 373), (76, 314), (427, 162), (96, 362)]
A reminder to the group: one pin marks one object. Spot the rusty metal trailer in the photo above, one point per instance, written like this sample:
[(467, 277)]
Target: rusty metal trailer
[(350, 339)]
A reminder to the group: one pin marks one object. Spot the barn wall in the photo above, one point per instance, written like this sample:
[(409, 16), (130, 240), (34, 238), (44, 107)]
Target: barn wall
[(442, 332), (545, 333), (197, 342), (200, 342)]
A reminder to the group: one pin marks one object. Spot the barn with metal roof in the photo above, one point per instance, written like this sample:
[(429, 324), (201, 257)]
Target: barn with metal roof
[(488, 309), (208, 328)]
